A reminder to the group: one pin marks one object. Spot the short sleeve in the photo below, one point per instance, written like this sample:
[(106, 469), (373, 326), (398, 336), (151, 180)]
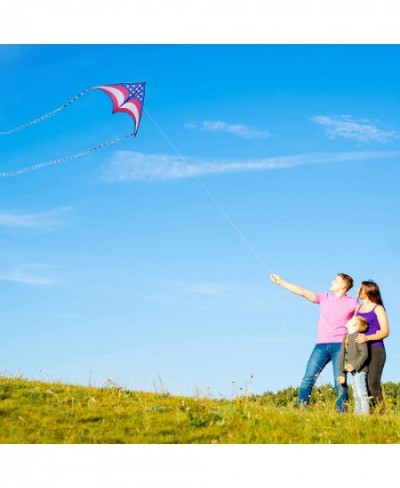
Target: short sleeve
[(319, 297)]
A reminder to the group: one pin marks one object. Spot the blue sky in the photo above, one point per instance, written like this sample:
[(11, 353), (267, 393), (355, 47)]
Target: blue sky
[(147, 263)]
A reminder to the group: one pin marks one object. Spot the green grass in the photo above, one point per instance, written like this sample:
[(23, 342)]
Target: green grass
[(33, 412)]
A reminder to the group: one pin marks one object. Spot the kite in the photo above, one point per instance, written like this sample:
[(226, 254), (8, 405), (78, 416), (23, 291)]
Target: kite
[(126, 98)]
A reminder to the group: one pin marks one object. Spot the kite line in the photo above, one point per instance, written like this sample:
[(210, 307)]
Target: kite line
[(126, 98), (226, 215), (213, 199)]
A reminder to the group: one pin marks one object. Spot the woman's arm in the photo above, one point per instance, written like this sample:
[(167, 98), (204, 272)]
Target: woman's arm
[(383, 324)]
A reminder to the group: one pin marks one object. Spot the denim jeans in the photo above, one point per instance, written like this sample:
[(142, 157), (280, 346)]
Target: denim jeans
[(360, 390), (320, 357)]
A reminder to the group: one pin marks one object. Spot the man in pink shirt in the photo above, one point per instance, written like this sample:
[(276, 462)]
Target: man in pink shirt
[(336, 309)]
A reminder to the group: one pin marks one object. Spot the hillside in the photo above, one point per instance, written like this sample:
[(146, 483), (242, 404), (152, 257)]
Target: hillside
[(54, 413)]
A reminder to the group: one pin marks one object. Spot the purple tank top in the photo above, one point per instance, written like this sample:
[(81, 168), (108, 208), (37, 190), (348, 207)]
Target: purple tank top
[(373, 325)]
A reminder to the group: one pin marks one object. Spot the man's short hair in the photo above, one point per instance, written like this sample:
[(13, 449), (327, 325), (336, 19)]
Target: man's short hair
[(347, 279)]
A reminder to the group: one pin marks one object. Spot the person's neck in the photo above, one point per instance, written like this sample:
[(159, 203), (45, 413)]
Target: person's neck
[(339, 294)]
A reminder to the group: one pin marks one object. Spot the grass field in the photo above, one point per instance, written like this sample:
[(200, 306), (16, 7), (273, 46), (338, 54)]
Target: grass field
[(33, 412)]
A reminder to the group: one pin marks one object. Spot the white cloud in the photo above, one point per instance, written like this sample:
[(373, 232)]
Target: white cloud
[(361, 130), (214, 289), (30, 274), (242, 296), (40, 220), (134, 166), (196, 287), (239, 130), (168, 291)]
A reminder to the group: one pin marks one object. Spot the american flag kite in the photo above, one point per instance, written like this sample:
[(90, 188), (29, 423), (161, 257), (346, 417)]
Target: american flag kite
[(125, 97), (128, 98)]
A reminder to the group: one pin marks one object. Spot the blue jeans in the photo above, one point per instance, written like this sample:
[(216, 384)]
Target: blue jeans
[(320, 357), (360, 390)]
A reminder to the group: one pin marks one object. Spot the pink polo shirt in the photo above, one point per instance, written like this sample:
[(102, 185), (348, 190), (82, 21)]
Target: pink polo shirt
[(334, 313)]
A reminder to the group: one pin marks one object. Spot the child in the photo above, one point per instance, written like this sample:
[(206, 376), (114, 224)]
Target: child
[(352, 359)]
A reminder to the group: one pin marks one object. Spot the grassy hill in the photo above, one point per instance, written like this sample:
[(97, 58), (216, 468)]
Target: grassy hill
[(54, 413)]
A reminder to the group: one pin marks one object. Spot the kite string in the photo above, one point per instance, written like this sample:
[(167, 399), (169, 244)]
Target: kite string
[(226, 215), (212, 198)]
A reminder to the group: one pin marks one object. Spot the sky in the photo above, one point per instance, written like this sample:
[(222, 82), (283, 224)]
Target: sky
[(146, 264)]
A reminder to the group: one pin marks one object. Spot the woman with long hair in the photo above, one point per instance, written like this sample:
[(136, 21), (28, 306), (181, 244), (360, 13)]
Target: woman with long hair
[(373, 310)]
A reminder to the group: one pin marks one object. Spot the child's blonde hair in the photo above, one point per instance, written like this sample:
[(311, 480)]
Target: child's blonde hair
[(363, 324)]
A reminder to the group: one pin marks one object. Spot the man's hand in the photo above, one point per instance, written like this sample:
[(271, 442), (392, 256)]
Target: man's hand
[(276, 279)]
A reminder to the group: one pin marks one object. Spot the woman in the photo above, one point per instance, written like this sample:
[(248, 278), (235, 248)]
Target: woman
[(373, 311)]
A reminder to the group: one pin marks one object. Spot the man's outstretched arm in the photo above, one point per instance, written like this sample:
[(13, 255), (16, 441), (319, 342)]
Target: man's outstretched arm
[(296, 289)]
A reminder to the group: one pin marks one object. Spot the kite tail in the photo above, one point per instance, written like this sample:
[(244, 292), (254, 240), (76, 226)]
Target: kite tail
[(46, 116), (65, 159)]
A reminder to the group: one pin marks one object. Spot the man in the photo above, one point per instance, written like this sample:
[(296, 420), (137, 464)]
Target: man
[(336, 309)]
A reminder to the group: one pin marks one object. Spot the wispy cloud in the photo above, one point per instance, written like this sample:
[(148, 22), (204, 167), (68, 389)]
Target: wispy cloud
[(239, 295), (30, 274), (39, 220), (133, 166), (239, 130), (193, 287), (361, 130), (168, 291), (202, 288)]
